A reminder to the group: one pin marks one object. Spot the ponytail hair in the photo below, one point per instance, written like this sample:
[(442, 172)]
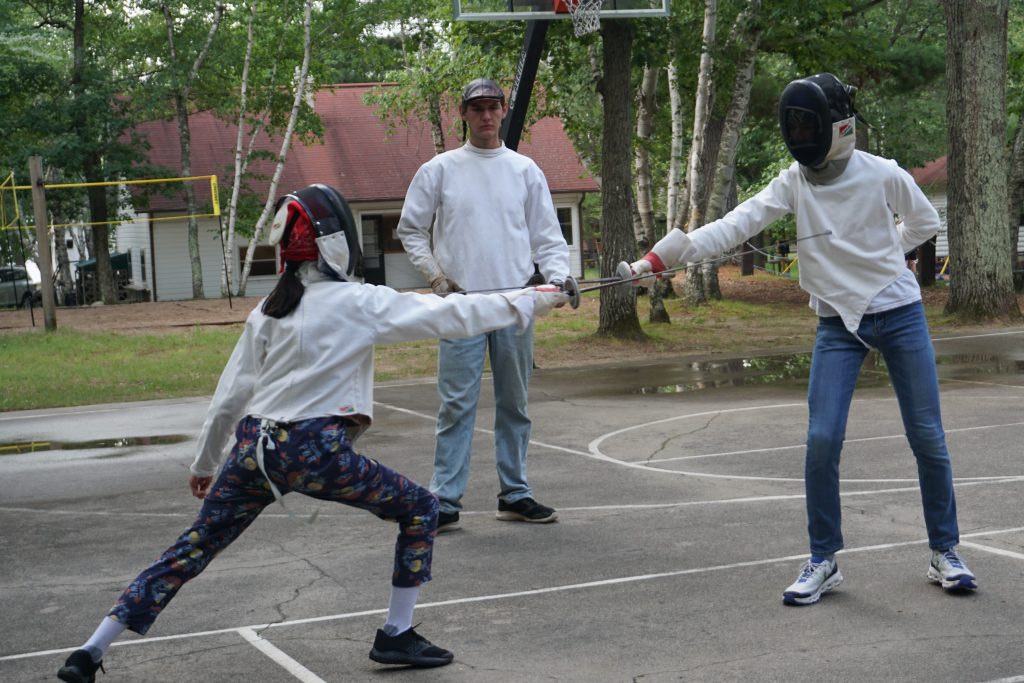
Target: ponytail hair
[(287, 293)]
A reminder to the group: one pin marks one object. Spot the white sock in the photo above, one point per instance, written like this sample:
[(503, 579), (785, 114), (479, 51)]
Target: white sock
[(105, 634), (403, 602)]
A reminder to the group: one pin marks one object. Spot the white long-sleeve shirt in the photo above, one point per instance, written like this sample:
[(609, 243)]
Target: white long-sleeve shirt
[(495, 219), (318, 361), (851, 247)]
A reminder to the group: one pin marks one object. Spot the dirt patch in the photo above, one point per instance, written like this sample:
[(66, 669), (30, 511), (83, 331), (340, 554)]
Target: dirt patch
[(173, 316), (164, 316)]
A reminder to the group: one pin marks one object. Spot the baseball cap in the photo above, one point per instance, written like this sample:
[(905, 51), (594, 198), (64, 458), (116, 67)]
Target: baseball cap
[(482, 88)]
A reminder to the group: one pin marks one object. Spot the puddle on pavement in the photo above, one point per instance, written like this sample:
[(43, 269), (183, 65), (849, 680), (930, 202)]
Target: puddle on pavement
[(121, 442), (977, 364), (736, 372), (783, 371)]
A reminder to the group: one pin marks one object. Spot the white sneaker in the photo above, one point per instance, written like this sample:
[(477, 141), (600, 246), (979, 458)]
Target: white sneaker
[(814, 579), (949, 569)]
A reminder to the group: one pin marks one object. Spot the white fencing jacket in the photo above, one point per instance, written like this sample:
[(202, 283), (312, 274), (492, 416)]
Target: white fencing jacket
[(494, 220), (318, 361), (861, 250)]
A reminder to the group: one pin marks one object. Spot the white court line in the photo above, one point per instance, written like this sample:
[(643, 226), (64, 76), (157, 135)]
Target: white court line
[(595, 453), (290, 665), (518, 594), (994, 551), (845, 441), (1014, 679), (984, 384), (978, 336), (7, 418), (583, 508)]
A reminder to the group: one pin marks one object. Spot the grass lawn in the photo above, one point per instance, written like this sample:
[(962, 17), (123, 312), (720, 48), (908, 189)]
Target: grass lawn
[(758, 315)]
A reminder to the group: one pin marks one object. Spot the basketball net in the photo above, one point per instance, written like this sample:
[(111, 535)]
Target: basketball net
[(585, 14)]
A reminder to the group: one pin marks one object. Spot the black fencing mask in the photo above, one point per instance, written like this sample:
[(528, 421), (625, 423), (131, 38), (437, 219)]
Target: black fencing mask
[(808, 109)]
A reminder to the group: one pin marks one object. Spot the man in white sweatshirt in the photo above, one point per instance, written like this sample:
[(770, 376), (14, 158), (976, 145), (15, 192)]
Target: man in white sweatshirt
[(852, 264), (492, 219)]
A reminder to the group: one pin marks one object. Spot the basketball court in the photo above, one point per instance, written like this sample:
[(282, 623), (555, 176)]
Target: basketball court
[(680, 492), (679, 486)]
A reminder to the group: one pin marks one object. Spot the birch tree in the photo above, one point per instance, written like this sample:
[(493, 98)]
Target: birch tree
[(182, 84), (241, 156), (976, 68), (694, 194), (746, 35), (647, 101), (299, 84), (676, 147)]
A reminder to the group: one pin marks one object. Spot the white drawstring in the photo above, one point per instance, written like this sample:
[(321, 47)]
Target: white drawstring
[(265, 442)]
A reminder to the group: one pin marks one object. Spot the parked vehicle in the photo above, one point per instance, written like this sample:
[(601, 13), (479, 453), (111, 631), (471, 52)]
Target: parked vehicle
[(16, 289)]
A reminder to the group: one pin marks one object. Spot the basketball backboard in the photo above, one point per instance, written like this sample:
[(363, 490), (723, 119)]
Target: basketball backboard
[(503, 10)]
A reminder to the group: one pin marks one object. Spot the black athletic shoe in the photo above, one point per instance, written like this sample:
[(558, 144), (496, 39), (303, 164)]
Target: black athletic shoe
[(526, 510), (448, 521), (79, 668), (409, 648)]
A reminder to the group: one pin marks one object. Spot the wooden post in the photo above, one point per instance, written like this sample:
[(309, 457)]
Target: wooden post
[(45, 260)]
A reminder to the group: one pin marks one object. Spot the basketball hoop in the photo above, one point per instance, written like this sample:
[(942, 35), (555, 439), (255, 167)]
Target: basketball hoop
[(585, 14)]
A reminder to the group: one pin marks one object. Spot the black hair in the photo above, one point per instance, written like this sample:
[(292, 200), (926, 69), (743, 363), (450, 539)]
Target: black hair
[(287, 292)]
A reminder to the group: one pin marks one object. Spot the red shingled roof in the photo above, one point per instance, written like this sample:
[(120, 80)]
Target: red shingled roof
[(932, 174), (357, 155)]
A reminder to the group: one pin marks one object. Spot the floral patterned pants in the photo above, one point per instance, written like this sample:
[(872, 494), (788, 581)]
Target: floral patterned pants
[(313, 457)]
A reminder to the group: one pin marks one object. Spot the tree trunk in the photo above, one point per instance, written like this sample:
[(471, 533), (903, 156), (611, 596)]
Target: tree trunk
[(63, 282), (746, 33), (701, 112), (976, 72), (241, 160), (92, 166), (300, 90), (703, 281), (693, 214), (750, 38), (1016, 192), (676, 154), (436, 125), (926, 263), (182, 89), (644, 131), (185, 141), (618, 316)]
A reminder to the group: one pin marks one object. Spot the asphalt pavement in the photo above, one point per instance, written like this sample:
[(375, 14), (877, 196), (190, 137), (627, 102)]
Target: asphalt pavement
[(679, 488)]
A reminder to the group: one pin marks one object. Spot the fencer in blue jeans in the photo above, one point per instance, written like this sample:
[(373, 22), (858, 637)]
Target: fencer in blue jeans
[(856, 215), (459, 375), (901, 336)]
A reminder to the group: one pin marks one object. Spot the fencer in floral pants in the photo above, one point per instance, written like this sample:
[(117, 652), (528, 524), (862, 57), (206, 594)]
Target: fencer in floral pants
[(313, 457)]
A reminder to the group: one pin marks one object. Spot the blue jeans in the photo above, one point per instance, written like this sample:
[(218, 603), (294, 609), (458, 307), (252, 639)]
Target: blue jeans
[(901, 336), (460, 366)]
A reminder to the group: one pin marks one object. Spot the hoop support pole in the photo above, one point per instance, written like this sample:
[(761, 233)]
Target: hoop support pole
[(522, 86)]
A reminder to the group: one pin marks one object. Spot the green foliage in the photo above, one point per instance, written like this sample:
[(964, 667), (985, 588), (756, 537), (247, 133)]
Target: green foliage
[(439, 56), (893, 51)]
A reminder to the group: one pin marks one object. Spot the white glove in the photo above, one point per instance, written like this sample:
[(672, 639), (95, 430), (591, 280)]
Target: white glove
[(442, 286), (628, 271), (546, 297), (673, 249)]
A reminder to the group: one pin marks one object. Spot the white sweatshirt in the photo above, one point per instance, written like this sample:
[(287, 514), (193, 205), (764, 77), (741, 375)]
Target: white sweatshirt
[(318, 361), (494, 220), (851, 247)]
